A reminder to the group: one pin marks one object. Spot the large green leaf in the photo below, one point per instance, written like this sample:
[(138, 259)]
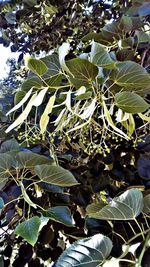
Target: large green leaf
[(83, 71), (60, 214), (101, 57), (19, 96), (29, 160), (55, 175), (6, 163), (130, 102), (131, 75), (9, 145), (37, 66), (88, 252), (33, 82), (29, 230), (53, 65), (146, 208), (125, 207)]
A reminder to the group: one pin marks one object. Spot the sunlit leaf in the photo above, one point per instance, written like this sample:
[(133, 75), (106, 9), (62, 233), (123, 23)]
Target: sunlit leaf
[(45, 118), (88, 252), (101, 57), (29, 160), (29, 230), (37, 66), (39, 98), (55, 175), (125, 207)]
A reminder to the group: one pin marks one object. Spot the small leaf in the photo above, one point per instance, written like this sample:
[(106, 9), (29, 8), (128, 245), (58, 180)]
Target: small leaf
[(45, 118), (26, 197), (131, 75), (101, 57), (29, 160), (83, 72), (55, 175), (130, 102), (125, 207), (37, 66), (88, 252), (39, 98), (89, 110), (20, 103), (60, 214), (29, 230), (142, 36), (19, 96)]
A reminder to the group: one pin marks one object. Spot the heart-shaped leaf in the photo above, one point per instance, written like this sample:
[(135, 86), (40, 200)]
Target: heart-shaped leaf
[(29, 160), (88, 252), (55, 175), (125, 207), (130, 102), (101, 57), (60, 214), (83, 71), (29, 230), (131, 75), (37, 66)]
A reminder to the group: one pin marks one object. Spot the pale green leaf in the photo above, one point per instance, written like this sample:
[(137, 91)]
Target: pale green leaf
[(29, 230), (26, 197), (125, 207), (144, 117), (37, 66), (55, 175), (39, 98), (88, 252), (45, 118)]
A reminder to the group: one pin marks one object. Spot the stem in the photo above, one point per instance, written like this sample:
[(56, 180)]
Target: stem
[(143, 250)]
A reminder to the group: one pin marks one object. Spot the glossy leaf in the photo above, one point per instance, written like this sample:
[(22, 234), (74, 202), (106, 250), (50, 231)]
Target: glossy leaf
[(55, 175), (37, 66), (88, 252), (83, 72), (29, 160), (125, 207), (29, 230), (101, 57), (130, 102), (131, 75), (60, 214)]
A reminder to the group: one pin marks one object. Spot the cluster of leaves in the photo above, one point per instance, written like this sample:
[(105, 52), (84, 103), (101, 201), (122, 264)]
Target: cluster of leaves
[(85, 175)]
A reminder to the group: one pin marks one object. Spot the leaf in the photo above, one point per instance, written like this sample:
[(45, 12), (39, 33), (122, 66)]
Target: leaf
[(125, 207), (6, 163), (89, 110), (9, 145), (83, 72), (144, 117), (29, 160), (142, 37), (1, 203), (94, 207), (146, 208), (110, 122), (62, 52), (19, 96), (60, 214), (45, 118), (130, 102), (131, 75), (131, 127), (54, 81), (88, 252), (53, 64), (112, 31), (33, 82), (39, 98), (37, 66), (101, 57), (20, 104), (29, 230), (55, 175), (26, 197), (143, 166)]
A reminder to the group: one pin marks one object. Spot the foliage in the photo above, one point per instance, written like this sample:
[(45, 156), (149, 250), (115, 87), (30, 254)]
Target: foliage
[(79, 194)]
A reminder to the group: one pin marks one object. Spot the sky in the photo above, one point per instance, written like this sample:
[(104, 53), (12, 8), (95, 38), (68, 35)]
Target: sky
[(5, 53)]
